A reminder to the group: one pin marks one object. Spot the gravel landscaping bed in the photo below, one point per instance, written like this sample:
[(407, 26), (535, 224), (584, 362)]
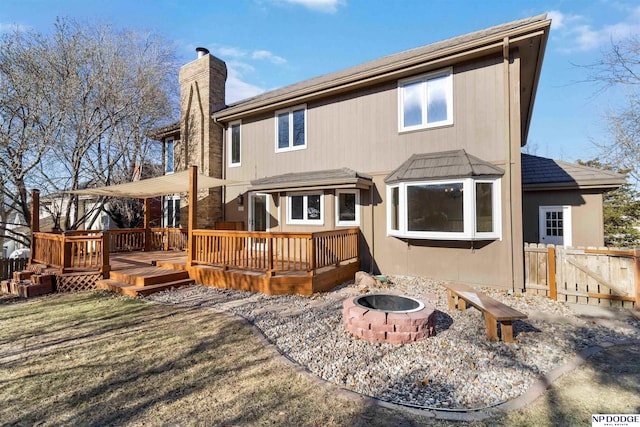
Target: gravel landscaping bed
[(457, 369)]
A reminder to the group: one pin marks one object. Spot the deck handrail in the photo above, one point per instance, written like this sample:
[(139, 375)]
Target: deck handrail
[(73, 251), (168, 238), (270, 252), (275, 252)]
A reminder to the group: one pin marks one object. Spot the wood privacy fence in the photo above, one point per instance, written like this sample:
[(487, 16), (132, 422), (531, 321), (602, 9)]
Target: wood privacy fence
[(595, 276), (275, 252), (8, 266)]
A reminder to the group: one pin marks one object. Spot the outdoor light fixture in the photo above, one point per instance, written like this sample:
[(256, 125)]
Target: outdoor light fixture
[(240, 199)]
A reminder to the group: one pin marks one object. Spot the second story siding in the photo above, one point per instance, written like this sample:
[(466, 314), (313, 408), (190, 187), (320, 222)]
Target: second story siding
[(359, 129)]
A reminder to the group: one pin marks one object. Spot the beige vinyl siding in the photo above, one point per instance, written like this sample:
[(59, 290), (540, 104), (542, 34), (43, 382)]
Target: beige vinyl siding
[(359, 130), (587, 227)]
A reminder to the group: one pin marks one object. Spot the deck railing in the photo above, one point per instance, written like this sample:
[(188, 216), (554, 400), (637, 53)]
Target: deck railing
[(260, 251), (76, 251), (126, 239), (274, 252), (166, 239)]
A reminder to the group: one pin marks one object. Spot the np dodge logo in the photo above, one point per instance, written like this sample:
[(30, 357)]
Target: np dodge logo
[(615, 420)]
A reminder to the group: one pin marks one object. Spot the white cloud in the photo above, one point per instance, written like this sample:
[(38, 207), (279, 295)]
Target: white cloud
[(326, 6), (575, 34), (242, 65), (228, 52), (265, 54), (237, 88)]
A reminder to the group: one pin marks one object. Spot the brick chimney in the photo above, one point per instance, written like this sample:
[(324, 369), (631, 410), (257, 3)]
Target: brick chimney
[(202, 92)]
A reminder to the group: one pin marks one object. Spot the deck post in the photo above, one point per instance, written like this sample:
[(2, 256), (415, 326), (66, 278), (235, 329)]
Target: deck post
[(312, 255), (147, 222), (106, 267), (551, 268), (193, 209), (66, 254), (35, 221), (270, 267), (636, 276)]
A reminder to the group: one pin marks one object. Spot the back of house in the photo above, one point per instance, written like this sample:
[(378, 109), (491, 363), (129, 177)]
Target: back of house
[(419, 149)]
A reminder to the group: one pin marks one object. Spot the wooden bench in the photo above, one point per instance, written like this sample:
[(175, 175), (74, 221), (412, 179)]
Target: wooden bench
[(494, 311)]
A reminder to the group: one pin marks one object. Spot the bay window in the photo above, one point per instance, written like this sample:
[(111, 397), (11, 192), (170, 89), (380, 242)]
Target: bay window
[(456, 209)]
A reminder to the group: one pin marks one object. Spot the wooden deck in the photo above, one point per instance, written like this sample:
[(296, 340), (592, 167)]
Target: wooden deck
[(143, 273)]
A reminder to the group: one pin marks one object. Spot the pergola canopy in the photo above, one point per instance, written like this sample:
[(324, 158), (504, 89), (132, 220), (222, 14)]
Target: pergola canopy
[(174, 183)]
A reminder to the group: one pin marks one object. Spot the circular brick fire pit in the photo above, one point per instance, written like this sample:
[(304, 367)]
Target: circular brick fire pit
[(390, 319)]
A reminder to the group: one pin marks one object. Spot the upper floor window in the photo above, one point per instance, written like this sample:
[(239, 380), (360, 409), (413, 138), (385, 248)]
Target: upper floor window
[(291, 128), (458, 209), (234, 144), (347, 207), (426, 101), (305, 208), (168, 156)]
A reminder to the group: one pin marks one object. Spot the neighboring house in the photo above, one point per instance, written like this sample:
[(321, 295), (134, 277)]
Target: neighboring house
[(54, 206), (15, 225), (420, 150), (562, 202)]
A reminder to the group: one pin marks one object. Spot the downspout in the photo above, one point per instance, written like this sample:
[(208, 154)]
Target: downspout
[(509, 153), (223, 169), (373, 231)]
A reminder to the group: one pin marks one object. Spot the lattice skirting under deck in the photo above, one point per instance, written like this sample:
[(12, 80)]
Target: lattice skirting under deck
[(77, 282)]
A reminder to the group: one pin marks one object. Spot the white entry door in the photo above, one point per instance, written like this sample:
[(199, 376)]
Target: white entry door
[(555, 225)]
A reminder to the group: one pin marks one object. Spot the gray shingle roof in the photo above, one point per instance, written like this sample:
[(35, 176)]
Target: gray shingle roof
[(441, 165), (323, 177), (384, 64), (548, 173)]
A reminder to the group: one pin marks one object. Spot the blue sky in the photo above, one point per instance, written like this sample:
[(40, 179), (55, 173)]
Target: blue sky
[(272, 43)]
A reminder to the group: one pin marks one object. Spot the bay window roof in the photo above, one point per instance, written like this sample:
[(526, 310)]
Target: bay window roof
[(443, 165)]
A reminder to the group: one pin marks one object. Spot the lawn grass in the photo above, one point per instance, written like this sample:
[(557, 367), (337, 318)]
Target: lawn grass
[(100, 359)]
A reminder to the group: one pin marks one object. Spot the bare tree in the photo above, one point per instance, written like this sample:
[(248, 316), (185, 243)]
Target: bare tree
[(620, 67), (76, 106)]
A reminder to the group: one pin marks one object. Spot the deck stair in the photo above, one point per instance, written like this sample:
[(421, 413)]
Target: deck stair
[(142, 281)]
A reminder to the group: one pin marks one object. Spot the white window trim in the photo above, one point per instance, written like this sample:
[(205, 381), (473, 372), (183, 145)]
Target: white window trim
[(356, 221), (424, 78), (567, 231), (496, 207), (166, 162), (305, 221), (290, 110), (469, 196), (165, 208), (230, 143)]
